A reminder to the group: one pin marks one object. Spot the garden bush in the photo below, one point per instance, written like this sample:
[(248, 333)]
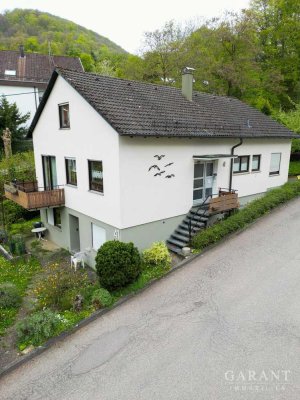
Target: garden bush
[(245, 216), (59, 286), (9, 295), (37, 328), (117, 264), (294, 168), (102, 298), (157, 256)]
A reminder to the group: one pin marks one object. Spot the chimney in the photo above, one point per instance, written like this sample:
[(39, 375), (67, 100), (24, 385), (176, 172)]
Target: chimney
[(187, 82), (22, 52)]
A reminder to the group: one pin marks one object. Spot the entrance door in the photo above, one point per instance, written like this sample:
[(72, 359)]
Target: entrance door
[(74, 234), (49, 172), (203, 180)]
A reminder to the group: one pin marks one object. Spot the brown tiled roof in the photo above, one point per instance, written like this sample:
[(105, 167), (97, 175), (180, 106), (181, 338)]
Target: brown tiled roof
[(34, 67), (142, 109)]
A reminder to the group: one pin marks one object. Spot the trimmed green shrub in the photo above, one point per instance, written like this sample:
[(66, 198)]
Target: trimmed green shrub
[(117, 264), (157, 256), (102, 298), (9, 296), (245, 216), (294, 168), (38, 327)]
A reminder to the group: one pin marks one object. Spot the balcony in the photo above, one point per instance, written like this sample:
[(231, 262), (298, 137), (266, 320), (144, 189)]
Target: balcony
[(31, 197)]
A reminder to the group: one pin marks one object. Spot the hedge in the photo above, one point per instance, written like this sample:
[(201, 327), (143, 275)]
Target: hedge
[(246, 215), (294, 168)]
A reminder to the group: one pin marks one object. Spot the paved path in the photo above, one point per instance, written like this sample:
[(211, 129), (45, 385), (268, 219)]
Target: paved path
[(232, 310)]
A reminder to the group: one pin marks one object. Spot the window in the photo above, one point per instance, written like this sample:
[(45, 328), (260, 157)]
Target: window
[(71, 171), (64, 116), (256, 163), (96, 176), (10, 72), (275, 164), (241, 164), (57, 217), (98, 236)]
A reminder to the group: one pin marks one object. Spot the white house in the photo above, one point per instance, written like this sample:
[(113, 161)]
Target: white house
[(25, 76), (118, 159)]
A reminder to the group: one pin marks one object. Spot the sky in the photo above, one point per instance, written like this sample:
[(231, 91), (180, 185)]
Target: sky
[(125, 21)]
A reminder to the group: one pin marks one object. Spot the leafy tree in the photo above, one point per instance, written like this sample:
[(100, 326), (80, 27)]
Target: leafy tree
[(11, 117)]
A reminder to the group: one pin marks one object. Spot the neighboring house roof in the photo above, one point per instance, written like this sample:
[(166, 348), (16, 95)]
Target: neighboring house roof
[(33, 67), (141, 109)]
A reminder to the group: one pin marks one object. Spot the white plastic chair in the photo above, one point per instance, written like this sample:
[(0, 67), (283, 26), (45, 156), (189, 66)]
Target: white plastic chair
[(77, 258)]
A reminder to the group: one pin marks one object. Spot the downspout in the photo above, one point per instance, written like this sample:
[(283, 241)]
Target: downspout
[(231, 162)]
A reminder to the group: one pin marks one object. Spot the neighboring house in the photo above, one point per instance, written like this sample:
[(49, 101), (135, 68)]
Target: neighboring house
[(25, 76), (96, 138)]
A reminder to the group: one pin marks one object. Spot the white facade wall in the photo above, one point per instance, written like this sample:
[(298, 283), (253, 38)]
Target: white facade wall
[(26, 98), (145, 198), (89, 137)]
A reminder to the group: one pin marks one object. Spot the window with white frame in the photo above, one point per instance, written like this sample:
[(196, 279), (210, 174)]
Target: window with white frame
[(98, 236), (64, 115), (275, 164)]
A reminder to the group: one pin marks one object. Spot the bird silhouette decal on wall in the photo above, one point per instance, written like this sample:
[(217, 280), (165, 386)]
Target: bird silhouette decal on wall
[(154, 167), (159, 157), (157, 168), (159, 173)]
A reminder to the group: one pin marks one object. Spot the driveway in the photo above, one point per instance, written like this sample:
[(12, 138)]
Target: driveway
[(226, 326)]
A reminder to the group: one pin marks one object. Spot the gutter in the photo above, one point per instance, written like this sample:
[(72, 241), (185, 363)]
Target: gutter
[(231, 162)]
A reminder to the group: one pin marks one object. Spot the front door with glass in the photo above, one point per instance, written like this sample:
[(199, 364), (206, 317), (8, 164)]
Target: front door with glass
[(203, 180)]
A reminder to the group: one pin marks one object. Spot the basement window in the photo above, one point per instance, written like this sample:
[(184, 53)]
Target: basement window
[(64, 116)]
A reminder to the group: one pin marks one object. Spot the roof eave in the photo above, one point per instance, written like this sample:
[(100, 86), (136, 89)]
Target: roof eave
[(42, 103)]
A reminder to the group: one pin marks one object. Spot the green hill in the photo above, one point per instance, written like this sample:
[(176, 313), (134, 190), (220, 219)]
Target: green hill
[(36, 29)]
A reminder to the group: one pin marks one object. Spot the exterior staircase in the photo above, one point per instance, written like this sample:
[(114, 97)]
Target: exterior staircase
[(197, 220)]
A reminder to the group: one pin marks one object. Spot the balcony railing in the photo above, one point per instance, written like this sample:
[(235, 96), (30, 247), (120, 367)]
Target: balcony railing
[(225, 201), (32, 197)]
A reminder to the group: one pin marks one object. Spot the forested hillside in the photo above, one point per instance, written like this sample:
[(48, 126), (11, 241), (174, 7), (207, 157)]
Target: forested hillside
[(37, 29), (254, 56)]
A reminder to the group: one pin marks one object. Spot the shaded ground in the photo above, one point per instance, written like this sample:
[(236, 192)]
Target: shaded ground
[(232, 310)]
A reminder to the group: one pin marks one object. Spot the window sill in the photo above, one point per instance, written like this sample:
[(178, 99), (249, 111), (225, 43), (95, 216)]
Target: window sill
[(95, 192), (241, 173), (64, 129), (71, 186), (256, 172), (271, 175)]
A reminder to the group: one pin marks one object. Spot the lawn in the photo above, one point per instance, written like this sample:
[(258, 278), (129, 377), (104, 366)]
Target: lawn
[(19, 273)]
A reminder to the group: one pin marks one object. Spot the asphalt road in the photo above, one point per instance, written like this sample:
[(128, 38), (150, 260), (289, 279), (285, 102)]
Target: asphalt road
[(226, 326)]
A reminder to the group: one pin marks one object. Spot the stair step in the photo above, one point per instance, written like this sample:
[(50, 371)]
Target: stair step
[(185, 226), (193, 223), (182, 238), (183, 232), (173, 248), (178, 243), (197, 217)]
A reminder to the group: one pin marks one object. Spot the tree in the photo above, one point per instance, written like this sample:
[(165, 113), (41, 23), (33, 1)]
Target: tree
[(11, 118)]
